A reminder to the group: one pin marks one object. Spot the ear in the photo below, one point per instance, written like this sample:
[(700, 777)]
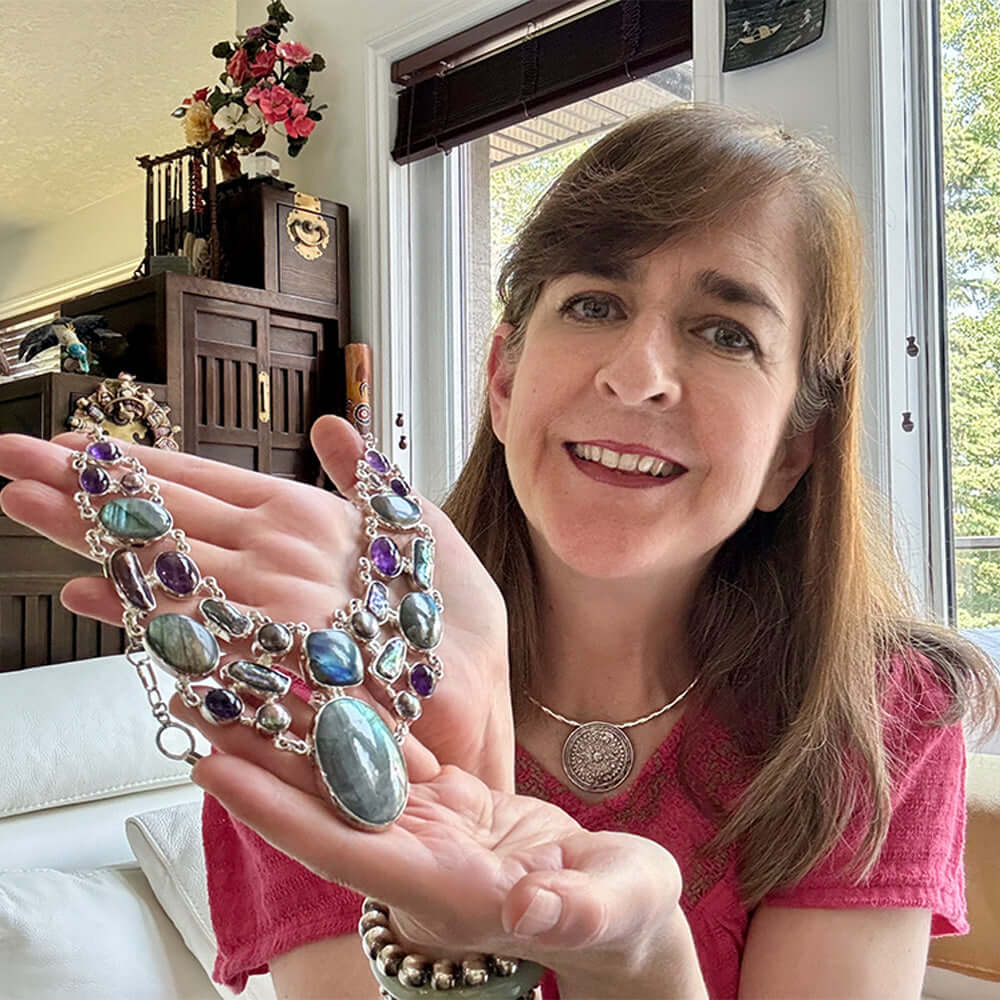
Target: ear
[(793, 457), (500, 378)]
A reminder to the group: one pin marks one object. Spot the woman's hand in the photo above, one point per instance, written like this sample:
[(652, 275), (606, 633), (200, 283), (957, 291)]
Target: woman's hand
[(291, 551), (470, 869)]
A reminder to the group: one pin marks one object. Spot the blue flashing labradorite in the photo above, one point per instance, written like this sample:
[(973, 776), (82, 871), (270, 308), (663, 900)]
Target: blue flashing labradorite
[(420, 620), (360, 765), (397, 511), (133, 519), (182, 646), (334, 659), (423, 562)]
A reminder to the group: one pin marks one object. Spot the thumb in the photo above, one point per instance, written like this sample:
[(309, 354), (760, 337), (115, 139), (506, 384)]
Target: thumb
[(338, 446), (601, 899)]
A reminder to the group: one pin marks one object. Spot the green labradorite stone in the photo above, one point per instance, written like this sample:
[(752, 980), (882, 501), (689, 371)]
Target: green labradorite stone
[(360, 765), (420, 620), (396, 510), (133, 519), (182, 646)]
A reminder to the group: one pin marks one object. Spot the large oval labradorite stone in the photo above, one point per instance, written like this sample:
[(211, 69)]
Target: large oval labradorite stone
[(134, 519), (396, 510), (360, 765), (334, 659), (420, 620), (182, 646)]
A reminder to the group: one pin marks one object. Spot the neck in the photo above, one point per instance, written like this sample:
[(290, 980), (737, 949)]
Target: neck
[(612, 650)]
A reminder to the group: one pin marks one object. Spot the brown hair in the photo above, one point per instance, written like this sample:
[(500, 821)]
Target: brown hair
[(800, 610)]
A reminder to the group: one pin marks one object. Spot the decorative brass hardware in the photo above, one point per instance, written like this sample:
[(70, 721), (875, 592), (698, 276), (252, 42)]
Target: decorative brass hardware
[(307, 201), (263, 397), (308, 232)]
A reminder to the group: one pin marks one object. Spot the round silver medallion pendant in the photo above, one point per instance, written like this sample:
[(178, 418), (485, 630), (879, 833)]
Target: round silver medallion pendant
[(598, 757)]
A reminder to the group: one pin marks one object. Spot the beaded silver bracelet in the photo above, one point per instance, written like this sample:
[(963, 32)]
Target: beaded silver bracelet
[(370, 637), (403, 975)]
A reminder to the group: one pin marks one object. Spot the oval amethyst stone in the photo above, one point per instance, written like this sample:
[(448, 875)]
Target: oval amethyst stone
[(125, 572), (95, 480), (377, 461), (222, 705), (104, 451), (385, 556), (422, 680), (177, 573), (400, 487)]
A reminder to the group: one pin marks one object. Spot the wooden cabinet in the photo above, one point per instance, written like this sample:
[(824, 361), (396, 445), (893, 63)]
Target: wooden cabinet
[(247, 370), (245, 373)]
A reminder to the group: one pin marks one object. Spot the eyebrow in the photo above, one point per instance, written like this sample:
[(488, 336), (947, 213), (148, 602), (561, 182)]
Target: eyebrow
[(729, 289)]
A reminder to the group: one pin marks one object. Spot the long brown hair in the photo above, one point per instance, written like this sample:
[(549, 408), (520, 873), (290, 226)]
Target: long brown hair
[(800, 610)]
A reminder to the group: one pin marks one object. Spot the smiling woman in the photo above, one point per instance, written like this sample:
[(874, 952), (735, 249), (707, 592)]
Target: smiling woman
[(692, 739)]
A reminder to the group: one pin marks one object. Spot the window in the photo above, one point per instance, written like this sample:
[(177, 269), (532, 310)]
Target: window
[(970, 132)]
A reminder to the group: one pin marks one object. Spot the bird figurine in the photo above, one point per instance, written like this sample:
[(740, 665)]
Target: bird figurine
[(83, 343)]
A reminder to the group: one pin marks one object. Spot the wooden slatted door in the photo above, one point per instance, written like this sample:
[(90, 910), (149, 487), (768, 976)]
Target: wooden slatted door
[(225, 416), (295, 362)]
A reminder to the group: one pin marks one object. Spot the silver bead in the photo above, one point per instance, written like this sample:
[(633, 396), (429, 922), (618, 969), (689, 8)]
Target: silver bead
[(504, 966), (389, 959), (373, 918), (475, 970), (373, 904), (415, 970), (375, 939), (445, 975), (273, 718)]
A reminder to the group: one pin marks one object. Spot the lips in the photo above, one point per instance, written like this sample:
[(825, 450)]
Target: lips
[(616, 477)]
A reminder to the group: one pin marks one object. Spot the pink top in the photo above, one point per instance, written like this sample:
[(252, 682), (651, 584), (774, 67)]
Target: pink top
[(264, 904)]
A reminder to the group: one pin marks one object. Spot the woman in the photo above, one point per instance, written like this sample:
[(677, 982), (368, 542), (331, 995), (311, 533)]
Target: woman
[(665, 492)]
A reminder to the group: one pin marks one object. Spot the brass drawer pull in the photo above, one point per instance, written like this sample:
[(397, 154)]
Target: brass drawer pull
[(264, 397)]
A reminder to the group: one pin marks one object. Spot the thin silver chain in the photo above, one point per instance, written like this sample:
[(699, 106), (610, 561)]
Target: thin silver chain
[(618, 725)]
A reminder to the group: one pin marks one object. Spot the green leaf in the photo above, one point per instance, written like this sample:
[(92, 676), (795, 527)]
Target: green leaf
[(315, 116), (317, 64), (222, 50), (295, 146), (216, 99), (297, 80)]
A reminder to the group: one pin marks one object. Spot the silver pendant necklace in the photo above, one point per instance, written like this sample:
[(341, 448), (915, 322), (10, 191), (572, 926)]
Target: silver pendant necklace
[(598, 756)]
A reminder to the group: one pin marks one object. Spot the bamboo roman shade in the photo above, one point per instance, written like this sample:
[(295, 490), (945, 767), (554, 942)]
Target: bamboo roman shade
[(451, 100)]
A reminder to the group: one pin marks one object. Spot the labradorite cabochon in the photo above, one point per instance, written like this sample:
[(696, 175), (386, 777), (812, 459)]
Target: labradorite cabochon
[(396, 510), (333, 658), (360, 765), (420, 620), (133, 519), (182, 646)]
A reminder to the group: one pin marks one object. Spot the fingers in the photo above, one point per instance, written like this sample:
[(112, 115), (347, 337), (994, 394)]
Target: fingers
[(599, 898)]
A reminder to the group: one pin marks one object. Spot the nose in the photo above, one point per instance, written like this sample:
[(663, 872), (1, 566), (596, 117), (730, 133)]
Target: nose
[(643, 365)]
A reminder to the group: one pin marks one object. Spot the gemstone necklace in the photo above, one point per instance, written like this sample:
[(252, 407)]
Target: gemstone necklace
[(598, 756), (358, 758)]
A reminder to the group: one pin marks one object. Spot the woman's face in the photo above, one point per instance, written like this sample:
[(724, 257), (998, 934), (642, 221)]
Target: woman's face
[(690, 356)]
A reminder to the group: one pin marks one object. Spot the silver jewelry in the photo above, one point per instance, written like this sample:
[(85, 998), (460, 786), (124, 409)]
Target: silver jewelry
[(599, 756), (359, 763), (402, 975)]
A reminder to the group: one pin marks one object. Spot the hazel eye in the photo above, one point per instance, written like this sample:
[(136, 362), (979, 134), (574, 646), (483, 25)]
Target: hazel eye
[(730, 337), (592, 308)]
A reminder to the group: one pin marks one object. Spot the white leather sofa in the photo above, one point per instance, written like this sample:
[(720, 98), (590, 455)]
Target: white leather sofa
[(102, 885)]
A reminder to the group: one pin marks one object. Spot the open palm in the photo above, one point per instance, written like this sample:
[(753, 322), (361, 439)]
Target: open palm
[(291, 551)]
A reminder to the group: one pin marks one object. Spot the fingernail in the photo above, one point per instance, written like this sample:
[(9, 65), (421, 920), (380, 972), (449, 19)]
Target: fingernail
[(541, 915)]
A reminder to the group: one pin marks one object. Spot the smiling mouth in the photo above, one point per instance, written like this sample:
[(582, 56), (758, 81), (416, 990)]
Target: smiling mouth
[(632, 465)]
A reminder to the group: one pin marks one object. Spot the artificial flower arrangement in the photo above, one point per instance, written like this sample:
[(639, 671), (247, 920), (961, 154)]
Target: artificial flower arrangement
[(265, 84)]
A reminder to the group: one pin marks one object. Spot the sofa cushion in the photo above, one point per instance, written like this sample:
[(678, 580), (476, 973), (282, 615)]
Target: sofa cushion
[(80, 731), (167, 844), (91, 935)]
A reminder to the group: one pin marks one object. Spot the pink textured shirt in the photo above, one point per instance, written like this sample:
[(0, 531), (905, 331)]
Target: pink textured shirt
[(264, 904)]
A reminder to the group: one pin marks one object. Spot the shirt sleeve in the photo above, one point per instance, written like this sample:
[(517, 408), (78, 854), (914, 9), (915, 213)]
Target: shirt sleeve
[(262, 902), (921, 863)]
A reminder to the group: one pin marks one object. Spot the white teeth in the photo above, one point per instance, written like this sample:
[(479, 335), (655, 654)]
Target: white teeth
[(626, 463)]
